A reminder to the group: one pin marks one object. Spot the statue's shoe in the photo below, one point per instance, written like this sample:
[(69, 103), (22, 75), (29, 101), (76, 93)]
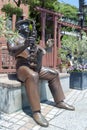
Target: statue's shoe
[(39, 119), (64, 105)]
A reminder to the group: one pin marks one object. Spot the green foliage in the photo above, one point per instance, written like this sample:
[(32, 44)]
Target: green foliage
[(82, 47), (69, 44), (54, 5), (5, 31), (69, 11), (2, 23), (74, 46), (66, 9), (10, 9)]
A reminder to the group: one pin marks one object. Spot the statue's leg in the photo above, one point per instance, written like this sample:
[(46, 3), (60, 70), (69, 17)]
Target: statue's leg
[(54, 83), (52, 76), (31, 80)]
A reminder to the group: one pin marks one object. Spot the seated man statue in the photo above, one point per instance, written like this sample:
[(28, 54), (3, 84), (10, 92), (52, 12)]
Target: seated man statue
[(29, 68)]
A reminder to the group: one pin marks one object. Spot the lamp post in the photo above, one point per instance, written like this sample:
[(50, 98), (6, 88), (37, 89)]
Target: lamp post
[(81, 3), (43, 3), (82, 15), (85, 14), (81, 19)]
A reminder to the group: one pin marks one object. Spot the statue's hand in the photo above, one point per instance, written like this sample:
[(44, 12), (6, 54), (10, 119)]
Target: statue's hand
[(41, 49), (29, 41)]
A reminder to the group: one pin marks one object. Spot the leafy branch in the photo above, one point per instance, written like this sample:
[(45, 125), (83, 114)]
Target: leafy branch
[(5, 31)]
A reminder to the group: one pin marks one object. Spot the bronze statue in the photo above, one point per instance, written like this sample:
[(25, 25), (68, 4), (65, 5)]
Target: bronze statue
[(29, 67)]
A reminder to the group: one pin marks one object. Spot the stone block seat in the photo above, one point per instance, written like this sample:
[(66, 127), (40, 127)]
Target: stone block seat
[(13, 96)]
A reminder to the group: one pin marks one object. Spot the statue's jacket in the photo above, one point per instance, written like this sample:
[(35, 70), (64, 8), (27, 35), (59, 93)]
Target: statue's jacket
[(24, 54)]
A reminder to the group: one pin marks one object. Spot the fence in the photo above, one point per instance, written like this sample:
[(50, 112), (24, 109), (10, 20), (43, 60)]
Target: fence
[(7, 62)]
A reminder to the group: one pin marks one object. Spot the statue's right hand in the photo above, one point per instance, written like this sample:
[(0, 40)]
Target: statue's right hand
[(29, 41)]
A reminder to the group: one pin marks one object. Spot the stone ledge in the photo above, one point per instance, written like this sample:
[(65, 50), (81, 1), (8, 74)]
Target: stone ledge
[(63, 75), (13, 95), (10, 80)]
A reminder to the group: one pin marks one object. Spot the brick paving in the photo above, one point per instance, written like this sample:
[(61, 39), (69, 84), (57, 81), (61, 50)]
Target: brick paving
[(22, 120)]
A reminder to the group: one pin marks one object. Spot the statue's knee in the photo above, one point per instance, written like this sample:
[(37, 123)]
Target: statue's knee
[(34, 76), (56, 73)]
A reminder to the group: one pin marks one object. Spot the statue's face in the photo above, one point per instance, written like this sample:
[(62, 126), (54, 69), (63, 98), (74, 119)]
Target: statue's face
[(27, 28), (24, 29)]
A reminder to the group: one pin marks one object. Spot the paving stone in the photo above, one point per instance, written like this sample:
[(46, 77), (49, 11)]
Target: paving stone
[(86, 128), (59, 119), (26, 119), (19, 116), (23, 128), (3, 128), (85, 94), (73, 92), (21, 122), (29, 125), (14, 120), (50, 116), (6, 118), (53, 111), (51, 128), (14, 127), (70, 120), (46, 110), (81, 95), (37, 127), (6, 124)]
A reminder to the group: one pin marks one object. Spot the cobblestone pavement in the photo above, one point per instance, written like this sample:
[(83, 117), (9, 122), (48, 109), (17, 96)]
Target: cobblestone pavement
[(22, 120)]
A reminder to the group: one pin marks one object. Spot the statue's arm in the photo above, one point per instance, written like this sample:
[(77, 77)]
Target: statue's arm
[(16, 47), (42, 49)]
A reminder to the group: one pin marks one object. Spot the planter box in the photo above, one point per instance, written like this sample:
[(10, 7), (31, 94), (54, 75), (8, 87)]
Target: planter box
[(78, 80)]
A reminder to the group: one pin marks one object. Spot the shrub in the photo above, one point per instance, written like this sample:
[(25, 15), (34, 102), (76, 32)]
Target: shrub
[(10, 9)]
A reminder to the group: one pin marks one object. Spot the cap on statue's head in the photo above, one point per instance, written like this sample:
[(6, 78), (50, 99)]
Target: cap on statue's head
[(26, 28)]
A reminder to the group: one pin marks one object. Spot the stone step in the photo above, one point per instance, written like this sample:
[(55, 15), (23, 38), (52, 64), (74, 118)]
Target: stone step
[(13, 95)]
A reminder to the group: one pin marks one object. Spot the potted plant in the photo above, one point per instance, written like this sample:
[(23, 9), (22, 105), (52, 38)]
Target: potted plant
[(75, 51), (78, 77)]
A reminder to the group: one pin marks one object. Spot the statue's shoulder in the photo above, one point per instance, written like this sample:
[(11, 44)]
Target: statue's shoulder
[(17, 40)]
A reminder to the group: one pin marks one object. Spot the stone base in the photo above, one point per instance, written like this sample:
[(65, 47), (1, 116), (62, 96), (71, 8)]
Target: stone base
[(13, 95), (10, 94)]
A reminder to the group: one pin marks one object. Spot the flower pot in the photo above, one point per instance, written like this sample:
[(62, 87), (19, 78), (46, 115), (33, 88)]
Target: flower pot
[(78, 80)]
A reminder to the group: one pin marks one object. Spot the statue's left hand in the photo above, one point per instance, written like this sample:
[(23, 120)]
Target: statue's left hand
[(42, 49)]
